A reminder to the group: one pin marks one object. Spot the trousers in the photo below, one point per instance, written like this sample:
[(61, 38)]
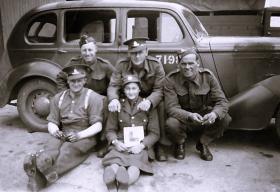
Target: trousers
[(64, 155), (177, 130)]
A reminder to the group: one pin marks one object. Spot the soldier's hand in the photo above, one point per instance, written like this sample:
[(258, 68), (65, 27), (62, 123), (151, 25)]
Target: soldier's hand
[(120, 146), (54, 131), (114, 106), (196, 118), (136, 149), (73, 137), (144, 105), (209, 118)]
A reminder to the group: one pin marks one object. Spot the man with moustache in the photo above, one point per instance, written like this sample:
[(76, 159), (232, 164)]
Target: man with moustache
[(193, 99)]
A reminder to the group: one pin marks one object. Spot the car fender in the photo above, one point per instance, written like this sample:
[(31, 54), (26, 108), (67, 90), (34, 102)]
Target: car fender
[(253, 108), (17, 76)]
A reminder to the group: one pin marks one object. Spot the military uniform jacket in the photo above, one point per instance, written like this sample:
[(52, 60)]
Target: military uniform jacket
[(202, 94), (98, 80), (129, 116), (73, 114), (151, 77)]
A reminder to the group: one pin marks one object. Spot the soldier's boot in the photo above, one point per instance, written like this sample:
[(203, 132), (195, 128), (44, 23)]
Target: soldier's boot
[(180, 151), (160, 153), (103, 150), (205, 153), (45, 164), (36, 180), (123, 179)]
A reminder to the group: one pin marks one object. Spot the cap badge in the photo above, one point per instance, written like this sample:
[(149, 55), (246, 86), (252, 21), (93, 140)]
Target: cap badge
[(135, 44)]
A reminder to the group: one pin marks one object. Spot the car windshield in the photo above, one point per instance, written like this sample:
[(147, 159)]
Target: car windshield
[(195, 24)]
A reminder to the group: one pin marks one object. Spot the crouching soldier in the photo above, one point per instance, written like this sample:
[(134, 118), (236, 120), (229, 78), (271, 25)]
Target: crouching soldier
[(75, 118), (194, 99)]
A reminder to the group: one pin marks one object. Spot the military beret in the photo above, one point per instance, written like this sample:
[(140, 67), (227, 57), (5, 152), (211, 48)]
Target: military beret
[(130, 79), (136, 44), (183, 52), (76, 70), (85, 39)]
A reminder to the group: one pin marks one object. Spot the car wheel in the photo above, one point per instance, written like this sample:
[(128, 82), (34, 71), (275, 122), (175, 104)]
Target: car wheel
[(33, 103), (277, 122)]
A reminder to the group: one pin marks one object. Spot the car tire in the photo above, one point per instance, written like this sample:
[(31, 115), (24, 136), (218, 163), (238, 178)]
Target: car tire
[(277, 123), (33, 103)]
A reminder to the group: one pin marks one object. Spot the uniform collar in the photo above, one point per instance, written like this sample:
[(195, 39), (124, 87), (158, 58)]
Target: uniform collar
[(131, 109), (196, 80), (146, 66)]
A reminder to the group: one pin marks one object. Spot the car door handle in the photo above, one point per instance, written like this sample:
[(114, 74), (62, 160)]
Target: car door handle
[(61, 51)]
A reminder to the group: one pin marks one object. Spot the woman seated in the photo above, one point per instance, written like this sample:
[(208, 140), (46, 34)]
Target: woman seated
[(132, 134)]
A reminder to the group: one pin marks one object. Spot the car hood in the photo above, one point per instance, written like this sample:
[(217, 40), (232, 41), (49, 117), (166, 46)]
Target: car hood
[(240, 43)]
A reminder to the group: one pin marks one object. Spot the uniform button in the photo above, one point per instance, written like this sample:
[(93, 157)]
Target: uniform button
[(144, 120), (120, 120), (132, 125), (71, 111), (73, 101), (132, 117)]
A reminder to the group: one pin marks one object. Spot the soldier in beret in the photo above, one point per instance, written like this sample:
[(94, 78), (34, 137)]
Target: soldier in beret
[(98, 79), (101, 68), (151, 74), (74, 120), (194, 98), (123, 163)]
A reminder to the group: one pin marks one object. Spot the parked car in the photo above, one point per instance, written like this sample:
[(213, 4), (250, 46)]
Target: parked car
[(263, 22), (46, 38)]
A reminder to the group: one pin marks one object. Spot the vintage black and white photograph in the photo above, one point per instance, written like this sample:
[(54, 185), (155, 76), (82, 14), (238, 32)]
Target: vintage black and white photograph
[(140, 95)]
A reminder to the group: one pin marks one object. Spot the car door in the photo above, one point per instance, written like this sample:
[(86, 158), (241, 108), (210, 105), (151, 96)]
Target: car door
[(100, 23), (162, 27), (34, 37)]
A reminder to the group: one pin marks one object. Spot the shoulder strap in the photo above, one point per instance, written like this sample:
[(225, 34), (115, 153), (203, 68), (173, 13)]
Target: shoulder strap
[(89, 91), (61, 99)]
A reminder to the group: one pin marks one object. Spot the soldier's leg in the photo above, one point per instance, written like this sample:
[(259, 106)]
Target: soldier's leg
[(70, 155), (42, 159), (209, 134), (102, 141), (215, 130), (163, 141), (177, 134)]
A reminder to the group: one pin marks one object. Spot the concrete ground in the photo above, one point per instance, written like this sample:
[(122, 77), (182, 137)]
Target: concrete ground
[(243, 162)]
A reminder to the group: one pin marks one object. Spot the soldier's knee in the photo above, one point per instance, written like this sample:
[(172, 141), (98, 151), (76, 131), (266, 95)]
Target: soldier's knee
[(225, 121), (172, 123)]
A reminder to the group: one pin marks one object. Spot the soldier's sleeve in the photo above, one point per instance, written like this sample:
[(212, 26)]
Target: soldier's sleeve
[(115, 83), (54, 115), (111, 127), (153, 129), (171, 101), (95, 108), (218, 97), (110, 70), (61, 81), (157, 94)]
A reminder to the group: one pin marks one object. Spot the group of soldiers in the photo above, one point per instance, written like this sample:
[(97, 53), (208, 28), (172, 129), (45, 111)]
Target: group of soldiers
[(96, 100)]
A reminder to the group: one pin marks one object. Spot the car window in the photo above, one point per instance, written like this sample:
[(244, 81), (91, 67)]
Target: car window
[(42, 29), (275, 20), (195, 24), (153, 25), (101, 24)]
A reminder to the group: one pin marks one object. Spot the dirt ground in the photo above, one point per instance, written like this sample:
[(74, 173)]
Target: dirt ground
[(243, 162)]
